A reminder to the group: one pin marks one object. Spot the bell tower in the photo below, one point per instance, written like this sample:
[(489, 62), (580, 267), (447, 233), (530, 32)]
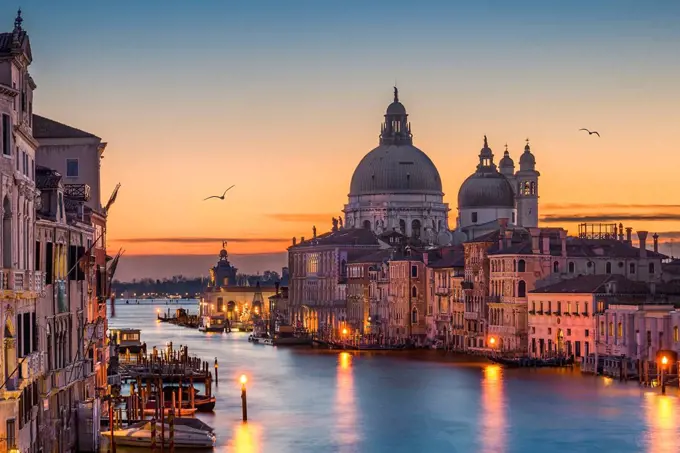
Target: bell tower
[(526, 199)]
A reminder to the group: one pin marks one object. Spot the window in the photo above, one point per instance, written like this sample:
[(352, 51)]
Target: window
[(513, 218), (608, 268), (474, 217), (556, 267), (521, 266), (587, 333), (414, 292), (533, 306), (568, 332), (559, 307), (651, 268), (572, 267), (72, 169), (632, 268), (414, 271), (6, 131), (675, 334), (549, 332), (601, 328), (611, 329), (11, 434), (521, 289), (414, 316), (619, 329)]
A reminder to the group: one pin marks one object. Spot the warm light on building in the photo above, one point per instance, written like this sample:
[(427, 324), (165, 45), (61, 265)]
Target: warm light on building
[(243, 379), (664, 360)]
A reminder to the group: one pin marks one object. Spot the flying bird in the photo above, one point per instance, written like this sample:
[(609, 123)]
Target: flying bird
[(589, 132), (221, 197)]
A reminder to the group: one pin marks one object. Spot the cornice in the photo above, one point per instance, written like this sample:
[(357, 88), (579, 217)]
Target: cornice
[(21, 129), (8, 91)]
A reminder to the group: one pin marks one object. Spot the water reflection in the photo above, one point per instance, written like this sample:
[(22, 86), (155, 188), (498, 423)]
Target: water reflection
[(662, 434), (492, 428), (246, 439), (345, 405)]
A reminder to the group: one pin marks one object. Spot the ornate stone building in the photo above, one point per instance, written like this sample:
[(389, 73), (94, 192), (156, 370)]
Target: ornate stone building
[(21, 362)]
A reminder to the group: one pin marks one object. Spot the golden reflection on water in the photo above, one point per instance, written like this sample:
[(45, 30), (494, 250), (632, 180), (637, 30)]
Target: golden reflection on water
[(345, 405), (246, 439), (492, 432), (662, 433)]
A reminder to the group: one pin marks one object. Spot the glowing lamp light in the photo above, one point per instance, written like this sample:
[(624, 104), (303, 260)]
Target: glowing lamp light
[(344, 331), (243, 379), (664, 360), (492, 341)]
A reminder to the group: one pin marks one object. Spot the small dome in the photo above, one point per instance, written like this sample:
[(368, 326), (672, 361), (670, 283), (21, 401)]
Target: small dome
[(527, 161), (396, 108), (486, 190), (396, 169), (506, 161)]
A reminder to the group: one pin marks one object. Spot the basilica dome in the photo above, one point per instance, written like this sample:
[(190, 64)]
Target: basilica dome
[(486, 188), (396, 169), (396, 166)]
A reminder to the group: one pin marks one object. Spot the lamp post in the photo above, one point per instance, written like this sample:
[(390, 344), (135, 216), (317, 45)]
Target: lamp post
[(492, 342), (244, 402), (664, 362)]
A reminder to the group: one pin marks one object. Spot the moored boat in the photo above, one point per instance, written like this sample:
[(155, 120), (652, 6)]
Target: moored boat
[(522, 362), (212, 323), (189, 436)]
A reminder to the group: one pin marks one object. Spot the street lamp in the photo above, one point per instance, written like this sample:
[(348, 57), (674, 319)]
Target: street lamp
[(244, 403), (664, 362)]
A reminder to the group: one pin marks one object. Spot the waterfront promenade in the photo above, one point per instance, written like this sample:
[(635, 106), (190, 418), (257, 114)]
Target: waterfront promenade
[(303, 400)]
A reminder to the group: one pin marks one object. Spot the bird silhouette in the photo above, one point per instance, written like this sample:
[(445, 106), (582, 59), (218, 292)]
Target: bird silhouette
[(589, 132), (221, 197)]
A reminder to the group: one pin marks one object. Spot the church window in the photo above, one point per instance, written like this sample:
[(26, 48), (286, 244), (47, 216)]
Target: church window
[(415, 229), (402, 226), (632, 268), (313, 263), (474, 217), (608, 268), (532, 188), (572, 267), (521, 266), (522, 289), (556, 267), (526, 188)]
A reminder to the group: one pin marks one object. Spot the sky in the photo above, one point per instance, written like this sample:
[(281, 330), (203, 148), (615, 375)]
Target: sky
[(283, 99)]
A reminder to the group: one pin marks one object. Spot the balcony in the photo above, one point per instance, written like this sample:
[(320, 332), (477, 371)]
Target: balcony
[(442, 290), (16, 280), (472, 316), (493, 299), (442, 317), (79, 192), (72, 373)]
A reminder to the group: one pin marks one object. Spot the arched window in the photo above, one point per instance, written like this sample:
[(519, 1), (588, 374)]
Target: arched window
[(632, 268), (620, 330), (608, 268), (556, 267), (532, 188), (521, 266), (367, 224), (676, 334), (522, 289), (611, 329), (414, 316), (572, 267), (415, 229), (514, 265), (7, 233), (402, 226), (414, 292)]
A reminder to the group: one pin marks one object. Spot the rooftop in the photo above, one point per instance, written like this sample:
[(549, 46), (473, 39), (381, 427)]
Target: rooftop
[(47, 128), (601, 284), (345, 236)]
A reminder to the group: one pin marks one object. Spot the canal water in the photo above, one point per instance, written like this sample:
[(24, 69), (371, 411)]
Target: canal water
[(304, 400)]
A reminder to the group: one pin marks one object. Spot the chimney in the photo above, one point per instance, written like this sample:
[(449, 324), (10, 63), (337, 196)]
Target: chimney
[(508, 238), (629, 235), (294, 241), (302, 239), (621, 232), (656, 243), (642, 235), (425, 258), (546, 245), (563, 240), (535, 236), (314, 232)]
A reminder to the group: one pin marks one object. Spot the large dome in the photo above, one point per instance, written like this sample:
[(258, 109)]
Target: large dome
[(396, 169), (486, 190)]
